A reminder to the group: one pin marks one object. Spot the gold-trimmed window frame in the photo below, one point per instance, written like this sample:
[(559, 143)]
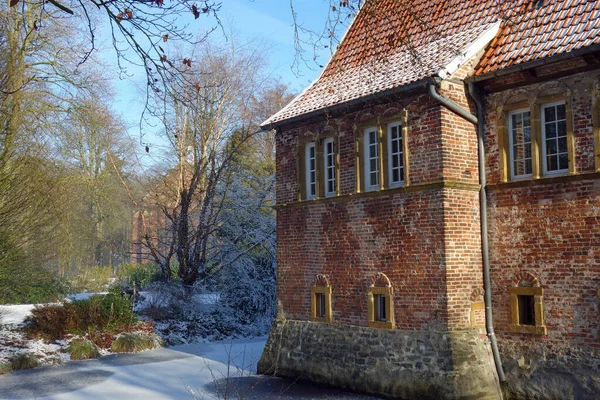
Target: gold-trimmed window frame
[(538, 309), (535, 108), (388, 292), (326, 292), (381, 126), (320, 166)]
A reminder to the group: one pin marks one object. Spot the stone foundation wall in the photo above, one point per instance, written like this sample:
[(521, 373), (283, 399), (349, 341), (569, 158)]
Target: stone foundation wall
[(552, 371), (392, 363)]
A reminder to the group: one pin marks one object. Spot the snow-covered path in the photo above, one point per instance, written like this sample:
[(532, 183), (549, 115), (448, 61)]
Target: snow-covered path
[(179, 372)]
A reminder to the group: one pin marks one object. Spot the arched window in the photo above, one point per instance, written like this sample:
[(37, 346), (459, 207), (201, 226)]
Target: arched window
[(380, 302), (527, 306), (321, 299)]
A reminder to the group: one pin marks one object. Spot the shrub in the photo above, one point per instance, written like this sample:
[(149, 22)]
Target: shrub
[(51, 322), (82, 350), (139, 275), (134, 342), (24, 361), (5, 368), (97, 316)]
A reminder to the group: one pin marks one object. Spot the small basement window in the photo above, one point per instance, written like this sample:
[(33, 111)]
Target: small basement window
[(321, 303), (381, 308), (380, 311), (527, 310)]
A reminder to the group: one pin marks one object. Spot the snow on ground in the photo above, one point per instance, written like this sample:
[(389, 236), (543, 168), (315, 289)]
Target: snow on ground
[(13, 340), (15, 314), (204, 371), (84, 296)]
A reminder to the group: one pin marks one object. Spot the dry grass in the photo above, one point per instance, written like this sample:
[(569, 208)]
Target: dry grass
[(134, 342), (24, 361), (82, 350)]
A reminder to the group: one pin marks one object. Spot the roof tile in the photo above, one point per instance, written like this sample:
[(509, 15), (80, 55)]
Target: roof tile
[(392, 43)]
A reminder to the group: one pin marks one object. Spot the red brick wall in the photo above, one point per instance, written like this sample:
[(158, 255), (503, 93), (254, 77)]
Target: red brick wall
[(427, 242), (549, 228)]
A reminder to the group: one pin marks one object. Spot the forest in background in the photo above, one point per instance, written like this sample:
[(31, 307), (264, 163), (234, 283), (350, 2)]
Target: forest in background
[(71, 180)]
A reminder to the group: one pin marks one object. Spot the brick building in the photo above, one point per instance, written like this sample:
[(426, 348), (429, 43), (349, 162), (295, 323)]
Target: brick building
[(438, 205)]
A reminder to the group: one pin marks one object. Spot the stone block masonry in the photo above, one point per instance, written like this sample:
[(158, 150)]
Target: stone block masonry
[(394, 363)]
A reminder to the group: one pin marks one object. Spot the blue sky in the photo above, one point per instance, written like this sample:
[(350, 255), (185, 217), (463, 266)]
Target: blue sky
[(267, 21)]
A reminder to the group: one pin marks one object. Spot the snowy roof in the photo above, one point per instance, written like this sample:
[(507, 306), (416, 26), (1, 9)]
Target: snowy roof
[(394, 43)]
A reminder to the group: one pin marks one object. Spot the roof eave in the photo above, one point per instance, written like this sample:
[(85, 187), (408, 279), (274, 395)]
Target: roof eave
[(420, 84), (535, 63)]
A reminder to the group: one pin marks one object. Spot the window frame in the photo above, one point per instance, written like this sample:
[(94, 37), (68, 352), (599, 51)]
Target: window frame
[(367, 171), (538, 160), (326, 292), (539, 328), (308, 170), (382, 126), (327, 167), (303, 167), (511, 155), (390, 168), (543, 138), (387, 293)]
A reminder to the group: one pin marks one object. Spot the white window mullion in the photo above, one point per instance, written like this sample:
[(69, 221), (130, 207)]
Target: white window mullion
[(311, 171), (555, 152), (395, 155), (371, 162), (329, 163), (519, 137)]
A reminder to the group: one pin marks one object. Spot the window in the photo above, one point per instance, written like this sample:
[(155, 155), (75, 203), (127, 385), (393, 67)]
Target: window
[(520, 143), (371, 152), (381, 309), (318, 169), (330, 170), (311, 171), (555, 153), (382, 154), (527, 310), (321, 300), (395, 154), (320, 305), (536, 140)]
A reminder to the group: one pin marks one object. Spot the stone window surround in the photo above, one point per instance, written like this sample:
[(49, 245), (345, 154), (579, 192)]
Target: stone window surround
[(381, 124), (535, 107), (538, 297), (321, 286), (388, 292), (301, 168)]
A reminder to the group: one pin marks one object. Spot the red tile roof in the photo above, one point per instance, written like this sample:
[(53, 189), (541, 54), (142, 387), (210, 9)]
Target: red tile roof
[(393, 43), (531, 33)]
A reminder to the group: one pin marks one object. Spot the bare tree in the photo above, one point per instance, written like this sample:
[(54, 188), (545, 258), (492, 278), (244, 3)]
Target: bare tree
[(209, 133)]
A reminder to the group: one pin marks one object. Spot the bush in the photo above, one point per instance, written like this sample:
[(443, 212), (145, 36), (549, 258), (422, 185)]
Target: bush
[(97, 316), (134, 342), (82, 350), (139, 275), (51, 322), (24, 361), (5, 368)]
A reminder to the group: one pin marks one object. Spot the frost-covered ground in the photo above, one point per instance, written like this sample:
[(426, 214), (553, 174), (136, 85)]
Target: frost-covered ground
[(207, 370), (215, 370), (13, 340)]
